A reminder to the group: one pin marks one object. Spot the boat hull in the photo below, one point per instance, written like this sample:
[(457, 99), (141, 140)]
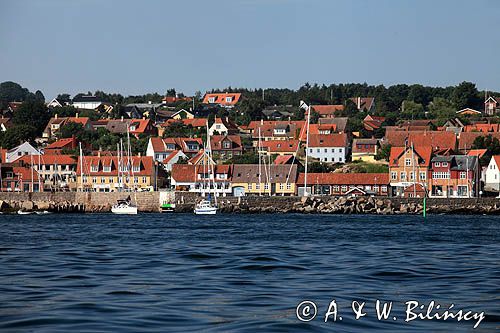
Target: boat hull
[(205, 211), (124, 210)]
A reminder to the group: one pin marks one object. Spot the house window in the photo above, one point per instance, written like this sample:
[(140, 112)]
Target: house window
[(94, 180), (136, 180), (394, 175), (437, 164), (257, 186), (266, 186), (335, 188), (402, 176), (423, 175), (94, 168), (282, 187), (375, 188), (317, 150), (368, 188), (144, 180), (229, 99), (326, 150), (136, 168), (384, 188), (333, 150), (463, 175), (227, 144), (211, 100), (407, 162), (84, 179), (250, 186), (107, 168), (288, 186), (344, 188), (310, 150), (444, 164), (412, 175)]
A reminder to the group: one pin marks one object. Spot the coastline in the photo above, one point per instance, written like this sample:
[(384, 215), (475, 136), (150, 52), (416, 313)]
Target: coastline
[(97, 202)]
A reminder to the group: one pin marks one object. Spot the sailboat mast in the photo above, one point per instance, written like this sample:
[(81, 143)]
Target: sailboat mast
[(260, 168), (307, 149), (81, 165)]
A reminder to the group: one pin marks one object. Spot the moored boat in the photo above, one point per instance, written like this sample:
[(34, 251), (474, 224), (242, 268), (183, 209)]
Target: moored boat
[(124, 207), (205, 207)]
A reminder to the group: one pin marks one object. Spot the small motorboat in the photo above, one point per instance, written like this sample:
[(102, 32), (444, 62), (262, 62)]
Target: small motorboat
[(24, 212), (124, 207), (205, 207), (167, 207), (42, 212)]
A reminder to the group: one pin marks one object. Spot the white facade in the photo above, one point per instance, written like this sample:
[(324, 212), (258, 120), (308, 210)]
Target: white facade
[(218, 127), (19, 151), (329, 154), (492, 179), (87, 105)]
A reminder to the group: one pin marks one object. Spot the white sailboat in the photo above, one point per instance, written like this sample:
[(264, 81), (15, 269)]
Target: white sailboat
[(205, 207), (125, 207)]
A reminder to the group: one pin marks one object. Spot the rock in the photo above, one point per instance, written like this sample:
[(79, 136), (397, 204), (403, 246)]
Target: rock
[(27, 205)]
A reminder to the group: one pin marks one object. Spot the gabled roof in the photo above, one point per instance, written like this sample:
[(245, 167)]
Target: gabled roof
[(194, 122), (283, 159), (423, 153), (48, 159), (172, 155), (63, 143), (339, 122), (216, 142), (146, 163), (363, 102), (161, 145), (85, 98), (477, 152), (468, 111)]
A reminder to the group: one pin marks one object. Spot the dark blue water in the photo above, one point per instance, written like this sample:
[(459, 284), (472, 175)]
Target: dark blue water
[(64, 273)]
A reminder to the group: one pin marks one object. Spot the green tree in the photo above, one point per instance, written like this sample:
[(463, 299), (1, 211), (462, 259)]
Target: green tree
[(18, 134), (412, 110), (12, 92), (32, 112), (383, 153), (466, 95), (442, 108), (70, 129)]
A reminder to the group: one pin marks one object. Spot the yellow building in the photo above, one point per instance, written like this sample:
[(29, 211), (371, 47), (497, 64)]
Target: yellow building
[(250, 179), (109, 174)]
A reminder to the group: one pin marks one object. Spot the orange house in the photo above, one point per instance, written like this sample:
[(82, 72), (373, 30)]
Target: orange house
[(408, 166)]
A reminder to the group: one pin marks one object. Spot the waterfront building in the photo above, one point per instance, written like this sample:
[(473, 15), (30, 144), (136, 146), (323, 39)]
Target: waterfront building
[(492, 175), (202, 179), (455, 176), (276, 130), (331, 148), (16, 177), (437, 140), (255, 179), (57, 172), (407, 166), (111, 174), (351, 184)]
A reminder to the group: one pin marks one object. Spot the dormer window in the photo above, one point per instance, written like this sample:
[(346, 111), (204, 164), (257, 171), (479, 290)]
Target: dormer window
[(132, 127), (211, 100), (94, 168), (444, 164), (437, 164), (107, 168), (136, 168), (227, 144), (229, 99)]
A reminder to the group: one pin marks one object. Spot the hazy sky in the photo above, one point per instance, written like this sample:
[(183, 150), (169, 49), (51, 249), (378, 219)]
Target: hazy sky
[(134, 47)]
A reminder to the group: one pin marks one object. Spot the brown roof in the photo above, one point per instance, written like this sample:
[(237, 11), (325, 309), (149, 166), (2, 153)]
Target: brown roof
[(281, 146), (424, 153), (249, 173), (220, 98), (328, 140), (216, 142), (434, 139), (327, 110), (49, 159)]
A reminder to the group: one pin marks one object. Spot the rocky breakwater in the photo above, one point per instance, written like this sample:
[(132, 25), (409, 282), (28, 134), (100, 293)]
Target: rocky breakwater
[(325, 205), (9, 206)]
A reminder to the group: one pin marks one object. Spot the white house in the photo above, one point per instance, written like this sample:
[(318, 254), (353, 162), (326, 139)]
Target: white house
[(492, 179), (223, 126), (173, 158), (20, 151), (86, 102), (330, 148)]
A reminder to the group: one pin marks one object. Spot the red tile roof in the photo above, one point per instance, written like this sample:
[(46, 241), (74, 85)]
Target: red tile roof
[(328, 140), (466, 139), (48, 159), (327, 110), (363, 102), (477, 152), (424, 152), (485, 128), (280, 146), (173, 99), (344, 178), (216, 142), (434, 139), (220, 98), (63, 143), (283, 159)]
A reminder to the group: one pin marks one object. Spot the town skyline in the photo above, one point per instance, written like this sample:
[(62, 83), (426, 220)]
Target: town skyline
[(199, 48)]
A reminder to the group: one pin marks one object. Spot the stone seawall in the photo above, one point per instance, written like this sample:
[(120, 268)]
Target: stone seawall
[(76, 201), (150, 202)]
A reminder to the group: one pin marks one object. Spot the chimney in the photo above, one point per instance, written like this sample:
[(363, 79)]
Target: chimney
[(359, 103), (122, 118), (261, 121), (55, 116), (149, 102), (99, 153), (76, 116)]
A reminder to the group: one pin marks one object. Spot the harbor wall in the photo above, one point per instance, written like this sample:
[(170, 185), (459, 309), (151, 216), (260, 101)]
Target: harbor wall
[(185, 201)]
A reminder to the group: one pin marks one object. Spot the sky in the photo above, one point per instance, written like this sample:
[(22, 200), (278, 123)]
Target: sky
[(135, 47)]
